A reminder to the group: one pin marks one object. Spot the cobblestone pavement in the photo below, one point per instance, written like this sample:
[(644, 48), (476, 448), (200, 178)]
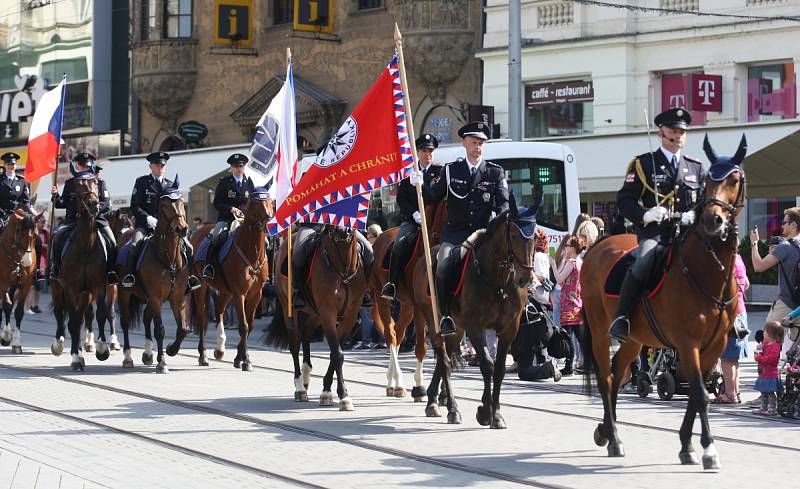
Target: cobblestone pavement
[(220, 427)]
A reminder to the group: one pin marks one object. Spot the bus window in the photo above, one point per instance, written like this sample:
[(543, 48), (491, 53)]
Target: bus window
[(523, 173)]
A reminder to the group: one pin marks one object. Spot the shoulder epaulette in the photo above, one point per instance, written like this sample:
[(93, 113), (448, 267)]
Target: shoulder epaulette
[(632, 165), (489, 163), (693, 160)]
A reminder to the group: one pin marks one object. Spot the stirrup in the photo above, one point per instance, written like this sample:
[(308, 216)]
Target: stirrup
[(620, 328), (112, 278), (389, 291), (447, 326), (208, 271), (128, 281), (298, 301), (193, 283)]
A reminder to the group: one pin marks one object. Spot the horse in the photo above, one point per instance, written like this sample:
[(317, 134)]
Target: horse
[(82, 280), (699, 281), (336, 287), (497, 270), (163, 275), (17, 271), (241, 277), (395, 330)]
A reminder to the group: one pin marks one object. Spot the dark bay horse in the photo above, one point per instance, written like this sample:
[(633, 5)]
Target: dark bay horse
[(497, 272), (395, 331), (17, 270), (162, 276), (694, 309), (336, 288), (241, 277)]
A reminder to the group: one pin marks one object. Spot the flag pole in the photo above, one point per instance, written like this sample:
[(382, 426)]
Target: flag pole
[(398, 41), (289, 317)]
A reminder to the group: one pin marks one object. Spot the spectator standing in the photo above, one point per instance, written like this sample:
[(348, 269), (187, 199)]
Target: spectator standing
[(736, 349), (600, 225), (570, 302), (587, 232), (767, 356), (786, 255), (42, 238)]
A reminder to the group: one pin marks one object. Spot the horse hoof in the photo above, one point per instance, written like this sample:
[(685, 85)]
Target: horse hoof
[(77, 366), (247, 366), (326, 400), (114, 343), (172, 350), (218, 354), (484, 415), (599, 439), (453, 417), (616, 450), (346, 404), (147, 358), (103, 356), (162, 369), (389, 391), (202, 362), (56, 350), (88, 347), (432, 411), (399, 392), (16, 349), (688, 458), (301, 396), (237, 363), (711, 462), (5, 342), (127, 363), (418, 393), (498, 423)]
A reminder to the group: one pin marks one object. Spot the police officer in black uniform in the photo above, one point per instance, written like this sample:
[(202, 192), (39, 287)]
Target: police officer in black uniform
[(13, 191), (230, 198), (678, 181), (144, 205), (83, 167), (474, 189), (410, 213)]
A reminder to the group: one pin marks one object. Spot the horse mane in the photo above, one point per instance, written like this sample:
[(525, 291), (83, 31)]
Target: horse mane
[(489, 232)]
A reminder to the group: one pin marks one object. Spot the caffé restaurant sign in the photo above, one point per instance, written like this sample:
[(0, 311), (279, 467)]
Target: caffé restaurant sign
[(558, 92)]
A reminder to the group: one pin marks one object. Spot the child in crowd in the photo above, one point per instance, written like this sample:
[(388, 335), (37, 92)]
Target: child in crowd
[(570, 302), (767, 355)]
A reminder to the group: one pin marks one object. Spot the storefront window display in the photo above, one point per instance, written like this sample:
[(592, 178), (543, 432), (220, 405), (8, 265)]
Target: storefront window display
[(559, 109), (771, 92)]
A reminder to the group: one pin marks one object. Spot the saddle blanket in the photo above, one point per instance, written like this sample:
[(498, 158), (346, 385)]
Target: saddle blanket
[(122, 256), (409, 260), (616, 275), (68, 241), (202, 251)]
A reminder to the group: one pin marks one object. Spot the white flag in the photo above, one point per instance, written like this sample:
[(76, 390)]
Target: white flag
[(273, 156)]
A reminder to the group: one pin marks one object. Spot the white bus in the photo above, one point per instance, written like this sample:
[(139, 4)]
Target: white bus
[(550, 165)]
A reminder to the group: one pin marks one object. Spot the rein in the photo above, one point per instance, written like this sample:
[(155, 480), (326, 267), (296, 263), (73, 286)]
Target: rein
[(163, 254), (16, 253), (346, 264), (510, 263)]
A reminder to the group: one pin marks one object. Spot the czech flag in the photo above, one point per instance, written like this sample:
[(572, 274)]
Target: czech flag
[(45, 136)]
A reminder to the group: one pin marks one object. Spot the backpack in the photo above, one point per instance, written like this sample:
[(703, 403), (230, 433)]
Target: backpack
[(794, 287)]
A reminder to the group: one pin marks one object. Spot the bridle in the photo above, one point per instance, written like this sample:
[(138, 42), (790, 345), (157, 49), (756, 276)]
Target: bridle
[(169, 229), (88, 203), (260, 226), (510, 263), (17, 252), (348, 238)]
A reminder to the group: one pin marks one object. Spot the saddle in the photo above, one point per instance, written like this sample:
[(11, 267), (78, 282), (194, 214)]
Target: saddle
[(68, 240), (613, 282), (459, 260), (128, 248), (408, 259), (226, 237)]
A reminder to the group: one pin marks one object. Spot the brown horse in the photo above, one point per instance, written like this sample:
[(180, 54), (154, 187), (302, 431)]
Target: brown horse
[(336, 288), (83, 280), (241, 277), (700, 282), (497, 272), (162, 276), (395, 331), (17, 270)]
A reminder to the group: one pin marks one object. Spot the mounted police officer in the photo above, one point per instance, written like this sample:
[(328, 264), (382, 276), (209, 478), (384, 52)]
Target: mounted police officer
[(677, 180), (474, 189), (14, 192), (230, 198), (144, 205), (410, 213), (83, 167)]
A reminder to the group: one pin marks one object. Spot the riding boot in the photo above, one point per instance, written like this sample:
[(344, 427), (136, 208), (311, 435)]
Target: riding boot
[(389, 290), (130, 266), (211, 253), (368, 258), (447, 326), (629, 293), (55, 257), (299, 286), (111, 255), (188, 252)]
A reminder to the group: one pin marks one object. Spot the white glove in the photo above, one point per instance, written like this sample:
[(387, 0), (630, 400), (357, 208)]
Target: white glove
[(152, 221), (417, 217), (687, 218), (415, 178), (656, 214)]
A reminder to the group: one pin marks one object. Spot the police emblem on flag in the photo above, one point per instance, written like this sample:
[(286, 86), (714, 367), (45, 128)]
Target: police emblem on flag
[(340, 145), (263, 154)]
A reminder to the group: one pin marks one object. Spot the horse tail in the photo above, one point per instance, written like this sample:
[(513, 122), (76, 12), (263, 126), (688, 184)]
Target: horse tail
[(278, 333), (589, 361), (135, 311), (193, 312), (457, 360)]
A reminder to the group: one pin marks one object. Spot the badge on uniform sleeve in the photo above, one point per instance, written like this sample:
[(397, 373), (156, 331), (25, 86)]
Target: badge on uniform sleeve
[(16, 188), (231, 193), (503, 184), (486, 196), (246, 194), (630, 177), (691, 178)]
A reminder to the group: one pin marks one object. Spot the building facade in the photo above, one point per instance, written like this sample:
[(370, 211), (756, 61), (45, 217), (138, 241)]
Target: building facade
[(216, 65), (591, 73)]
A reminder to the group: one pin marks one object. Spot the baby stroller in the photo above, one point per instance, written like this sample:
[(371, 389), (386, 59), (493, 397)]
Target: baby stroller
[(668, 375), (789, 402)]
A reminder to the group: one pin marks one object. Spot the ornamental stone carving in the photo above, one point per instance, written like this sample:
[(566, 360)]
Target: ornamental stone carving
[(164, 73), (437, 41)]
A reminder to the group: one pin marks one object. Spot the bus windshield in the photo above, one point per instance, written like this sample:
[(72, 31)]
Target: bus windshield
[(523, 173)]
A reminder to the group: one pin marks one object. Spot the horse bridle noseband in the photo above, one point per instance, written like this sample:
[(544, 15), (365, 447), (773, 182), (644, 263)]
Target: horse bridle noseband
[(346, 279)]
